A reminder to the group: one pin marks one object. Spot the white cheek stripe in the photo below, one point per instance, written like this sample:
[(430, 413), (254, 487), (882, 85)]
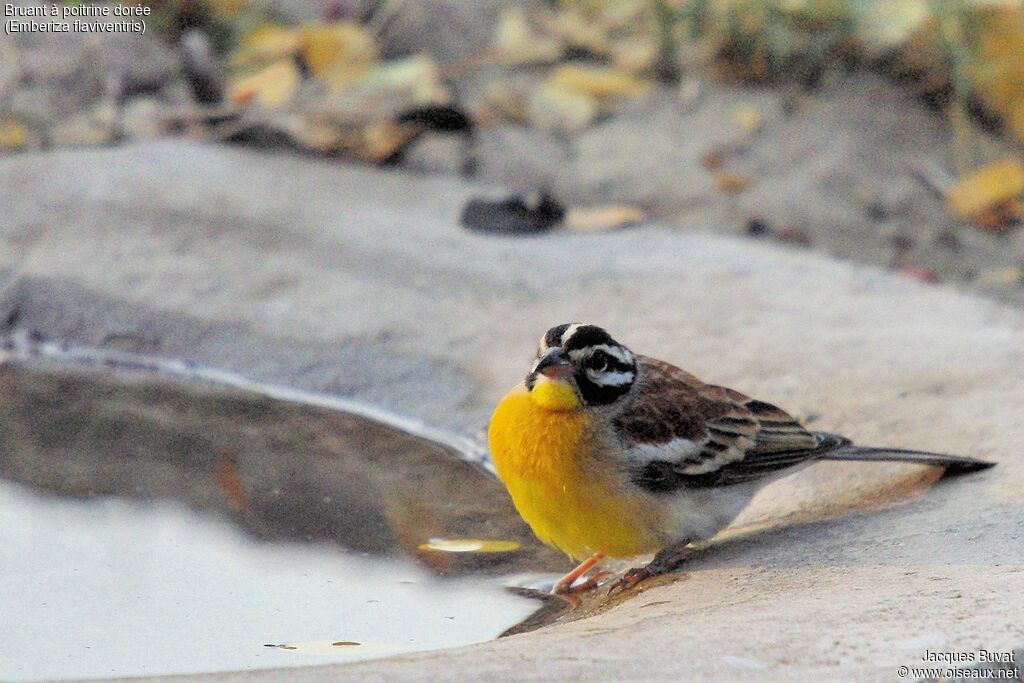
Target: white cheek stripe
[(620, 354), (609, 379)]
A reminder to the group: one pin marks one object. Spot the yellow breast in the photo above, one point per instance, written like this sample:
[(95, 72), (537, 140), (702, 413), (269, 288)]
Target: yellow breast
[(545, 454)]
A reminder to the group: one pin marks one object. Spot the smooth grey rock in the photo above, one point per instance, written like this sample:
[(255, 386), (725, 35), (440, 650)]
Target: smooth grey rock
[(360, 282)]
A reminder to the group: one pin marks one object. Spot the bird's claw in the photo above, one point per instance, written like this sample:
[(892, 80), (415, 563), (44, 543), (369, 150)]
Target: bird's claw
[(630, 579)]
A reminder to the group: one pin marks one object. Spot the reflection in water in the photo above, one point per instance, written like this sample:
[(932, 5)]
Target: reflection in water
[(115, 588), (366, 517), (468, 545), (282, 470)]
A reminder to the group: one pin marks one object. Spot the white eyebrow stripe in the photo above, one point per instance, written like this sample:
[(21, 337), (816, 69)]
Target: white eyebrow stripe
[(569, 331), (610, 379)]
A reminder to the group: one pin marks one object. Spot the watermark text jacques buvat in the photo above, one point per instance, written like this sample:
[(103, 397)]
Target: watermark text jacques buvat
[(979, 664), (75, 18)]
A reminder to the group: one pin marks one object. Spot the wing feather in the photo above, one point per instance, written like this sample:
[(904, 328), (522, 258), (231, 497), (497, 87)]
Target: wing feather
[(680, 432)]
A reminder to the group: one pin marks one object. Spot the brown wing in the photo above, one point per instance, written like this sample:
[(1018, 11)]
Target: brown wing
[(680, 431)]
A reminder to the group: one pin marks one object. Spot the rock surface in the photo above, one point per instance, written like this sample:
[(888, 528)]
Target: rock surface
[(361, 283)]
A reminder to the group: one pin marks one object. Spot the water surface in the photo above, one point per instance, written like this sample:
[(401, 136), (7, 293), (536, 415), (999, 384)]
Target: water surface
[(119, 588), (156, 525)]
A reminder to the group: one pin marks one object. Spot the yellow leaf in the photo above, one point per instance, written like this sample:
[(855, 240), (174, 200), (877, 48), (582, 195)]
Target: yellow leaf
[(600, 218), (227, 9), (634, 55), (271, 87), (516, 43), (268, 43), (600, 82), (748, 117), (999, 68), (985, 188), (339, 54), (1015, 119), (13, 135)]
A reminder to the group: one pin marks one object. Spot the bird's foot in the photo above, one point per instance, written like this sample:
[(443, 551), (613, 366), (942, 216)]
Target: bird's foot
[(630, 579), (666, 561), (565, 585)]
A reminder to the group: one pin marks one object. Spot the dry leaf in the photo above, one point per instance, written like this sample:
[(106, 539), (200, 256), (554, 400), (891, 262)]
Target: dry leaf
[(600, 218), (13, 135), (602, 83), (227, 9), (634, 55), (1000, 217), (380, 141), (748, 117), (732, 183), (338, 54), (998, 70), (516, 43), (555, 108), (268, 43), (271, 87), (316, 134), (416, 78), (986, 188)]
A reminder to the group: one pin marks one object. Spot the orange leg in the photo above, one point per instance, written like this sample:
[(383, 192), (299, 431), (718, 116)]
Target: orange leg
[(564, 584)]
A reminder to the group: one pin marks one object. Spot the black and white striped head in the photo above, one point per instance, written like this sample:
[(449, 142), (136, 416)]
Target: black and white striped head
[(584, 358)]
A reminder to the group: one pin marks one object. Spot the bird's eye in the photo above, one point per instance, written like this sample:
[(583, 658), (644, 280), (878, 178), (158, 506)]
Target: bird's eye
[(598, 362)]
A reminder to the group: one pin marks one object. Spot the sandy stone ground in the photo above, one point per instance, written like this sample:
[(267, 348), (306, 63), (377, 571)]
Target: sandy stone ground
[(361, 283)]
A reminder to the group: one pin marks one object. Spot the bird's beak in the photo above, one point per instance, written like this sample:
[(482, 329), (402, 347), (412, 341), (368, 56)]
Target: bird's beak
[(551, 384), (554, 365)]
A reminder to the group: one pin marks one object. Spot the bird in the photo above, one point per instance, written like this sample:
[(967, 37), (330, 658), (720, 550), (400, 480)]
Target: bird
[(609, 453)]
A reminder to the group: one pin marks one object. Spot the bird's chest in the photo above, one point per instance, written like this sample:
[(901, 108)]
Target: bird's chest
[(562, 483)]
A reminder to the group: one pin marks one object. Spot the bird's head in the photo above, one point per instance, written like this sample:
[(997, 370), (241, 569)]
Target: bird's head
[(580, 366)]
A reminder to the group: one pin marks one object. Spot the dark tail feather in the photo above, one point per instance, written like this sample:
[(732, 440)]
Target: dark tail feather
[(954, 464)]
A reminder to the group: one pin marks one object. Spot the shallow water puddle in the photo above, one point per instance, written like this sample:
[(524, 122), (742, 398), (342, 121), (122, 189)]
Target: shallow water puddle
[(167, 526), (117, 588)]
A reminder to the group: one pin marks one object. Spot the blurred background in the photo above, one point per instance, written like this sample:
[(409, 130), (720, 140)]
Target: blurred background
[(885, 131)]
